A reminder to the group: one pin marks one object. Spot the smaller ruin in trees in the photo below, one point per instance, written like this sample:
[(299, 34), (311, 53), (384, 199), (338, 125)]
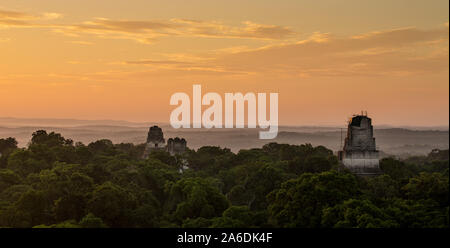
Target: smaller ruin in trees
[(156, 142)]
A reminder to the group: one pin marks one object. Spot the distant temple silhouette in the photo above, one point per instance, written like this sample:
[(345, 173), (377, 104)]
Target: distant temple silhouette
[(156, 142), (359, 153)]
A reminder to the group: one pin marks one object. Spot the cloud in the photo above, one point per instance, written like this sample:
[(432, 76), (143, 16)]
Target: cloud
[(10, 23), (248, 30), (254, 30), (147, 31), (80, 42), (5, 14), (20, 19), (13, 18), (103, 24), (167, 66), (52, 16), (399, 37), (156, 62), (399, 51), (402, 51)]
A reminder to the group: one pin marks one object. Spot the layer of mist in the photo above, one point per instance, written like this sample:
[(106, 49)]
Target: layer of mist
[(399, 141)]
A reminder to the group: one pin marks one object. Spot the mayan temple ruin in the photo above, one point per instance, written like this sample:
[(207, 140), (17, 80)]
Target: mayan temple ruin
[(176, 145), (359, 153), (156, 142)]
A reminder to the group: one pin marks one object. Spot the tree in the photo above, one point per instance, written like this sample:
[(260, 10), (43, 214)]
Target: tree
[(31, 209), (397, 170), (103, 146), (112, 204), (72, 202), (7, 145), (260, 183), (197, 223), (8, 178), (418, 214), (52, 139), (239, 196), (64, 224), (195, 197), (148, 212), (91, 221), (163, 156), (53, 183), (23, 162), (211, 158), (356, 213), (316, 164), (299, 202), (154, 175), (382, 188), (239, 217), (428, 186)]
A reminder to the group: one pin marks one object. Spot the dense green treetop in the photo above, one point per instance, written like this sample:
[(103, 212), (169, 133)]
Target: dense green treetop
[(57, 183)]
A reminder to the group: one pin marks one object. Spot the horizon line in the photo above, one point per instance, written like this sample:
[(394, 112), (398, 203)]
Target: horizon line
[(167, 123)]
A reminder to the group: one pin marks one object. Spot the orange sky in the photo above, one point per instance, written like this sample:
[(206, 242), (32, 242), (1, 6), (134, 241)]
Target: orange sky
[(123, 60)]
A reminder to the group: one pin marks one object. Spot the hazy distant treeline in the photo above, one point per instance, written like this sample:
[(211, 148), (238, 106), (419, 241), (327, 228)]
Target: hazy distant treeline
[(391, 141)]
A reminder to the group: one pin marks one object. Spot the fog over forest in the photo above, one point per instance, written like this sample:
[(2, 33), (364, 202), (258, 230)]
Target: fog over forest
[(398, 141)]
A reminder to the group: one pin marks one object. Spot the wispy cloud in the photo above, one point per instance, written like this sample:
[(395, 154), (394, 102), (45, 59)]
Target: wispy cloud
[(248, 30), (81, 42), (146, 31), (402, 51), (52, 16), (20, 19), (396, 52), (13, 18), (6, 14), (156, 62)]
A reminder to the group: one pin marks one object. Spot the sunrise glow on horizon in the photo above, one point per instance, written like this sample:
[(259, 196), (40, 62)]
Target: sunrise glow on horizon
[(122, 60)]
